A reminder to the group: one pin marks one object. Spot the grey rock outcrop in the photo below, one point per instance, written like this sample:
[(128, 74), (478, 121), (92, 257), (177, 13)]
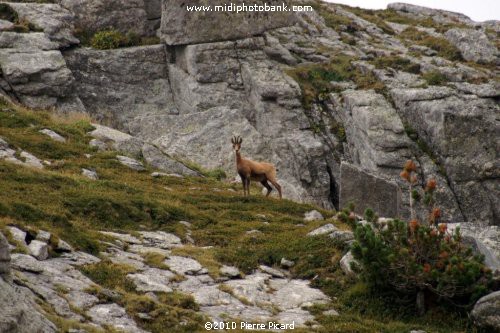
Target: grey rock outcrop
[(90, 174), (117, 85), (347, 262), (109, 138), (19, 311), (474, 45), (114, 315), (4, 256), (159, 160), (53, 135), (313, 215), (486, 312), (325, 229), (365, 190), (26, 41), (461, 130), (97, 15), (181, 26), (37, 78), (38, 249), (438, 15), (131, 163)]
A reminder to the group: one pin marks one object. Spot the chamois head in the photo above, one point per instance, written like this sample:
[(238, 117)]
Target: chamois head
[(236, 141)]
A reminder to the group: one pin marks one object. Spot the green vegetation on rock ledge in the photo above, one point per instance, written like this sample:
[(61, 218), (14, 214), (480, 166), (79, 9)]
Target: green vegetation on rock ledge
[(443, 47), (59, 199), (315, 80), (113, 39)]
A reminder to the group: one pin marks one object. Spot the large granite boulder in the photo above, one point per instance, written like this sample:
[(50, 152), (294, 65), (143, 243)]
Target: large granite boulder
[(117, 85), (19, 312), (39, 79), (368, 191), (438, 15), (110, 138), (474, 45), (486, 312), (159, 160), (180, 25), (375, 135), (96, 15), (462, 131)]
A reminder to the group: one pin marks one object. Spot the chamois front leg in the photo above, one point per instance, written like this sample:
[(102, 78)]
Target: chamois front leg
[(248, 186), (244, 183)]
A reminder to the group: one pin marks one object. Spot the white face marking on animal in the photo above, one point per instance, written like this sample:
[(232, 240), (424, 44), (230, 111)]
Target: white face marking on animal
[(236, 141)]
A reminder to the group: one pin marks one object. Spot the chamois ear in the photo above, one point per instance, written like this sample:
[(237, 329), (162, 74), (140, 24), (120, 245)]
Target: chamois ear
[(233, 140), (240, 140)]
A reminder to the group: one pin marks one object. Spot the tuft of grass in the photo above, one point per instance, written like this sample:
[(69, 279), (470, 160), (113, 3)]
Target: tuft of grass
[(154, 259), (206, 257), (398, 63), (110, 275)]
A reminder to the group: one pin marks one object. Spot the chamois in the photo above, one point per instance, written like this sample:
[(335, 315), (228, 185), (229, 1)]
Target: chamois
[(251, 170)]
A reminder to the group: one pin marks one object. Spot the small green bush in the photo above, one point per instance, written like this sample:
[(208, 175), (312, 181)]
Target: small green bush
[(105, 40), (420, 259)]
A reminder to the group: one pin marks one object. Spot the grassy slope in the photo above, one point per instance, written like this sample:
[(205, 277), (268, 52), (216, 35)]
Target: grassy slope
[(74, 208)]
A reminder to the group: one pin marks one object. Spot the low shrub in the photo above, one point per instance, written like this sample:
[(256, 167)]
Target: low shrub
[(422, 260), (109, 39)]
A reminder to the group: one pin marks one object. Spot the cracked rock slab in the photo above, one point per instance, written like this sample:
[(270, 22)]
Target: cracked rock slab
[(160, 239), (152, 279), (184, 266), (115, 316)]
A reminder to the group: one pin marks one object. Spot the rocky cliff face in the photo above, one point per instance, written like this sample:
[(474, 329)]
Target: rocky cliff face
[(305, 91)]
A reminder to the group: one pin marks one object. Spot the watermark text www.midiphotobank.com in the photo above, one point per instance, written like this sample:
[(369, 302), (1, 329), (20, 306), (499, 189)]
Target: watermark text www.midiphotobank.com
[(248, 7)]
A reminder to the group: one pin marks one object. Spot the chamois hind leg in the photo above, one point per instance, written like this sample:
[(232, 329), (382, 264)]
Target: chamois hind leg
[(278, 186), (266, 185)]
